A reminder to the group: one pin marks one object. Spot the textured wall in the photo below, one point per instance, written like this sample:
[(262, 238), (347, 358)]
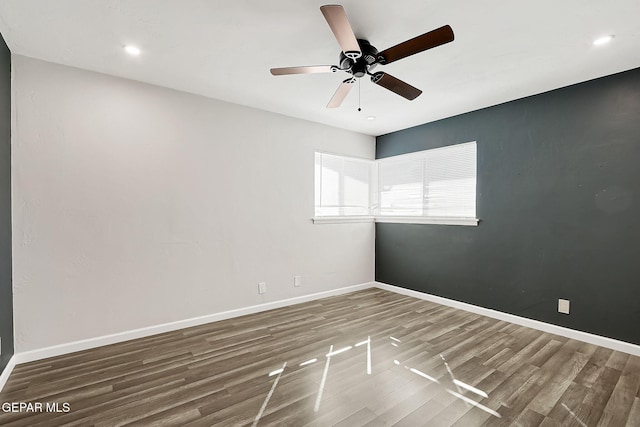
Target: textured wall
[(559, 202), (136, 205), (6, 299)]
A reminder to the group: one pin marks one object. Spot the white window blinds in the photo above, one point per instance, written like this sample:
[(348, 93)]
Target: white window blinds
[(437, 183), (343, 186), (430, 185)]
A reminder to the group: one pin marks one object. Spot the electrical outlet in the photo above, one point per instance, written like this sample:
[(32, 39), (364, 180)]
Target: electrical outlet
[(262, 287), (563, 306), (297, 281)]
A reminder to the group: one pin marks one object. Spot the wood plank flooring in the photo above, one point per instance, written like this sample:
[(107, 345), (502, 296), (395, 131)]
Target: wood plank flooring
[(369, 358)]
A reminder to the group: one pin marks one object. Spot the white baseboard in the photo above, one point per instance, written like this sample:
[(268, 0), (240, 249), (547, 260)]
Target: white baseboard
[(523, 321), (7, 371), (58, 350)]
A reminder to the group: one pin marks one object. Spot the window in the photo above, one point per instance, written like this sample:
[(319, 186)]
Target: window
[(343, 186), (431, 186), (436, 184)]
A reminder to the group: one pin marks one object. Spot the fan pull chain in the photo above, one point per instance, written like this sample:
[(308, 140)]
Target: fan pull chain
[(359, 109)]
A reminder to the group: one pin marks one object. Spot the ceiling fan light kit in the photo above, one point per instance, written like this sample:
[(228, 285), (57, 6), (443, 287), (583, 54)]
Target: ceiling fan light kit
[(359, 57)]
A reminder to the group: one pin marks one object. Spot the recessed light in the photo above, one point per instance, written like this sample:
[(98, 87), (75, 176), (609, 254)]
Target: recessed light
[(603, 40), (132, 50), (371, 118)]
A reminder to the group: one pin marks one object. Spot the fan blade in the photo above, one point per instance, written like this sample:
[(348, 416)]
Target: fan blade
[(341, 93), (337, 19), (418, 44), (403, 89), (304, 70)]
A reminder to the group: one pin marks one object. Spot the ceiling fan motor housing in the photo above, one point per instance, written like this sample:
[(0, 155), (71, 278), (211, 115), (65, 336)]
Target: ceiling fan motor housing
[(360, 66)]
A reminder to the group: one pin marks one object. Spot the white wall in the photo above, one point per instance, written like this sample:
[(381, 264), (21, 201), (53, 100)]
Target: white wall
[(135, 205)]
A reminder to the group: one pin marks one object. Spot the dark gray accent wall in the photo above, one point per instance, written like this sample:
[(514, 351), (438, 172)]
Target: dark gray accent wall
[(558, 196), (6, 295)]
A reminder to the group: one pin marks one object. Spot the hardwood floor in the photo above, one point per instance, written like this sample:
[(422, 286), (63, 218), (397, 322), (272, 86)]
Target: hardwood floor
[(371, 358)]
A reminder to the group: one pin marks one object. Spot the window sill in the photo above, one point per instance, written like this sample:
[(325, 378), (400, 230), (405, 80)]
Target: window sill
[(341, 219), (424, 220), (395, 219)]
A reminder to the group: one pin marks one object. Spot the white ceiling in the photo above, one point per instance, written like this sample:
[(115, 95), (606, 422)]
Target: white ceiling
[(504, 50)]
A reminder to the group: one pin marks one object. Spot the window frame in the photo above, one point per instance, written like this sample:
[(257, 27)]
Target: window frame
[(374, 197), (334, 219)]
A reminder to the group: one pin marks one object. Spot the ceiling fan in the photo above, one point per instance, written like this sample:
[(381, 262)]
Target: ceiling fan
[(359, 57)]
